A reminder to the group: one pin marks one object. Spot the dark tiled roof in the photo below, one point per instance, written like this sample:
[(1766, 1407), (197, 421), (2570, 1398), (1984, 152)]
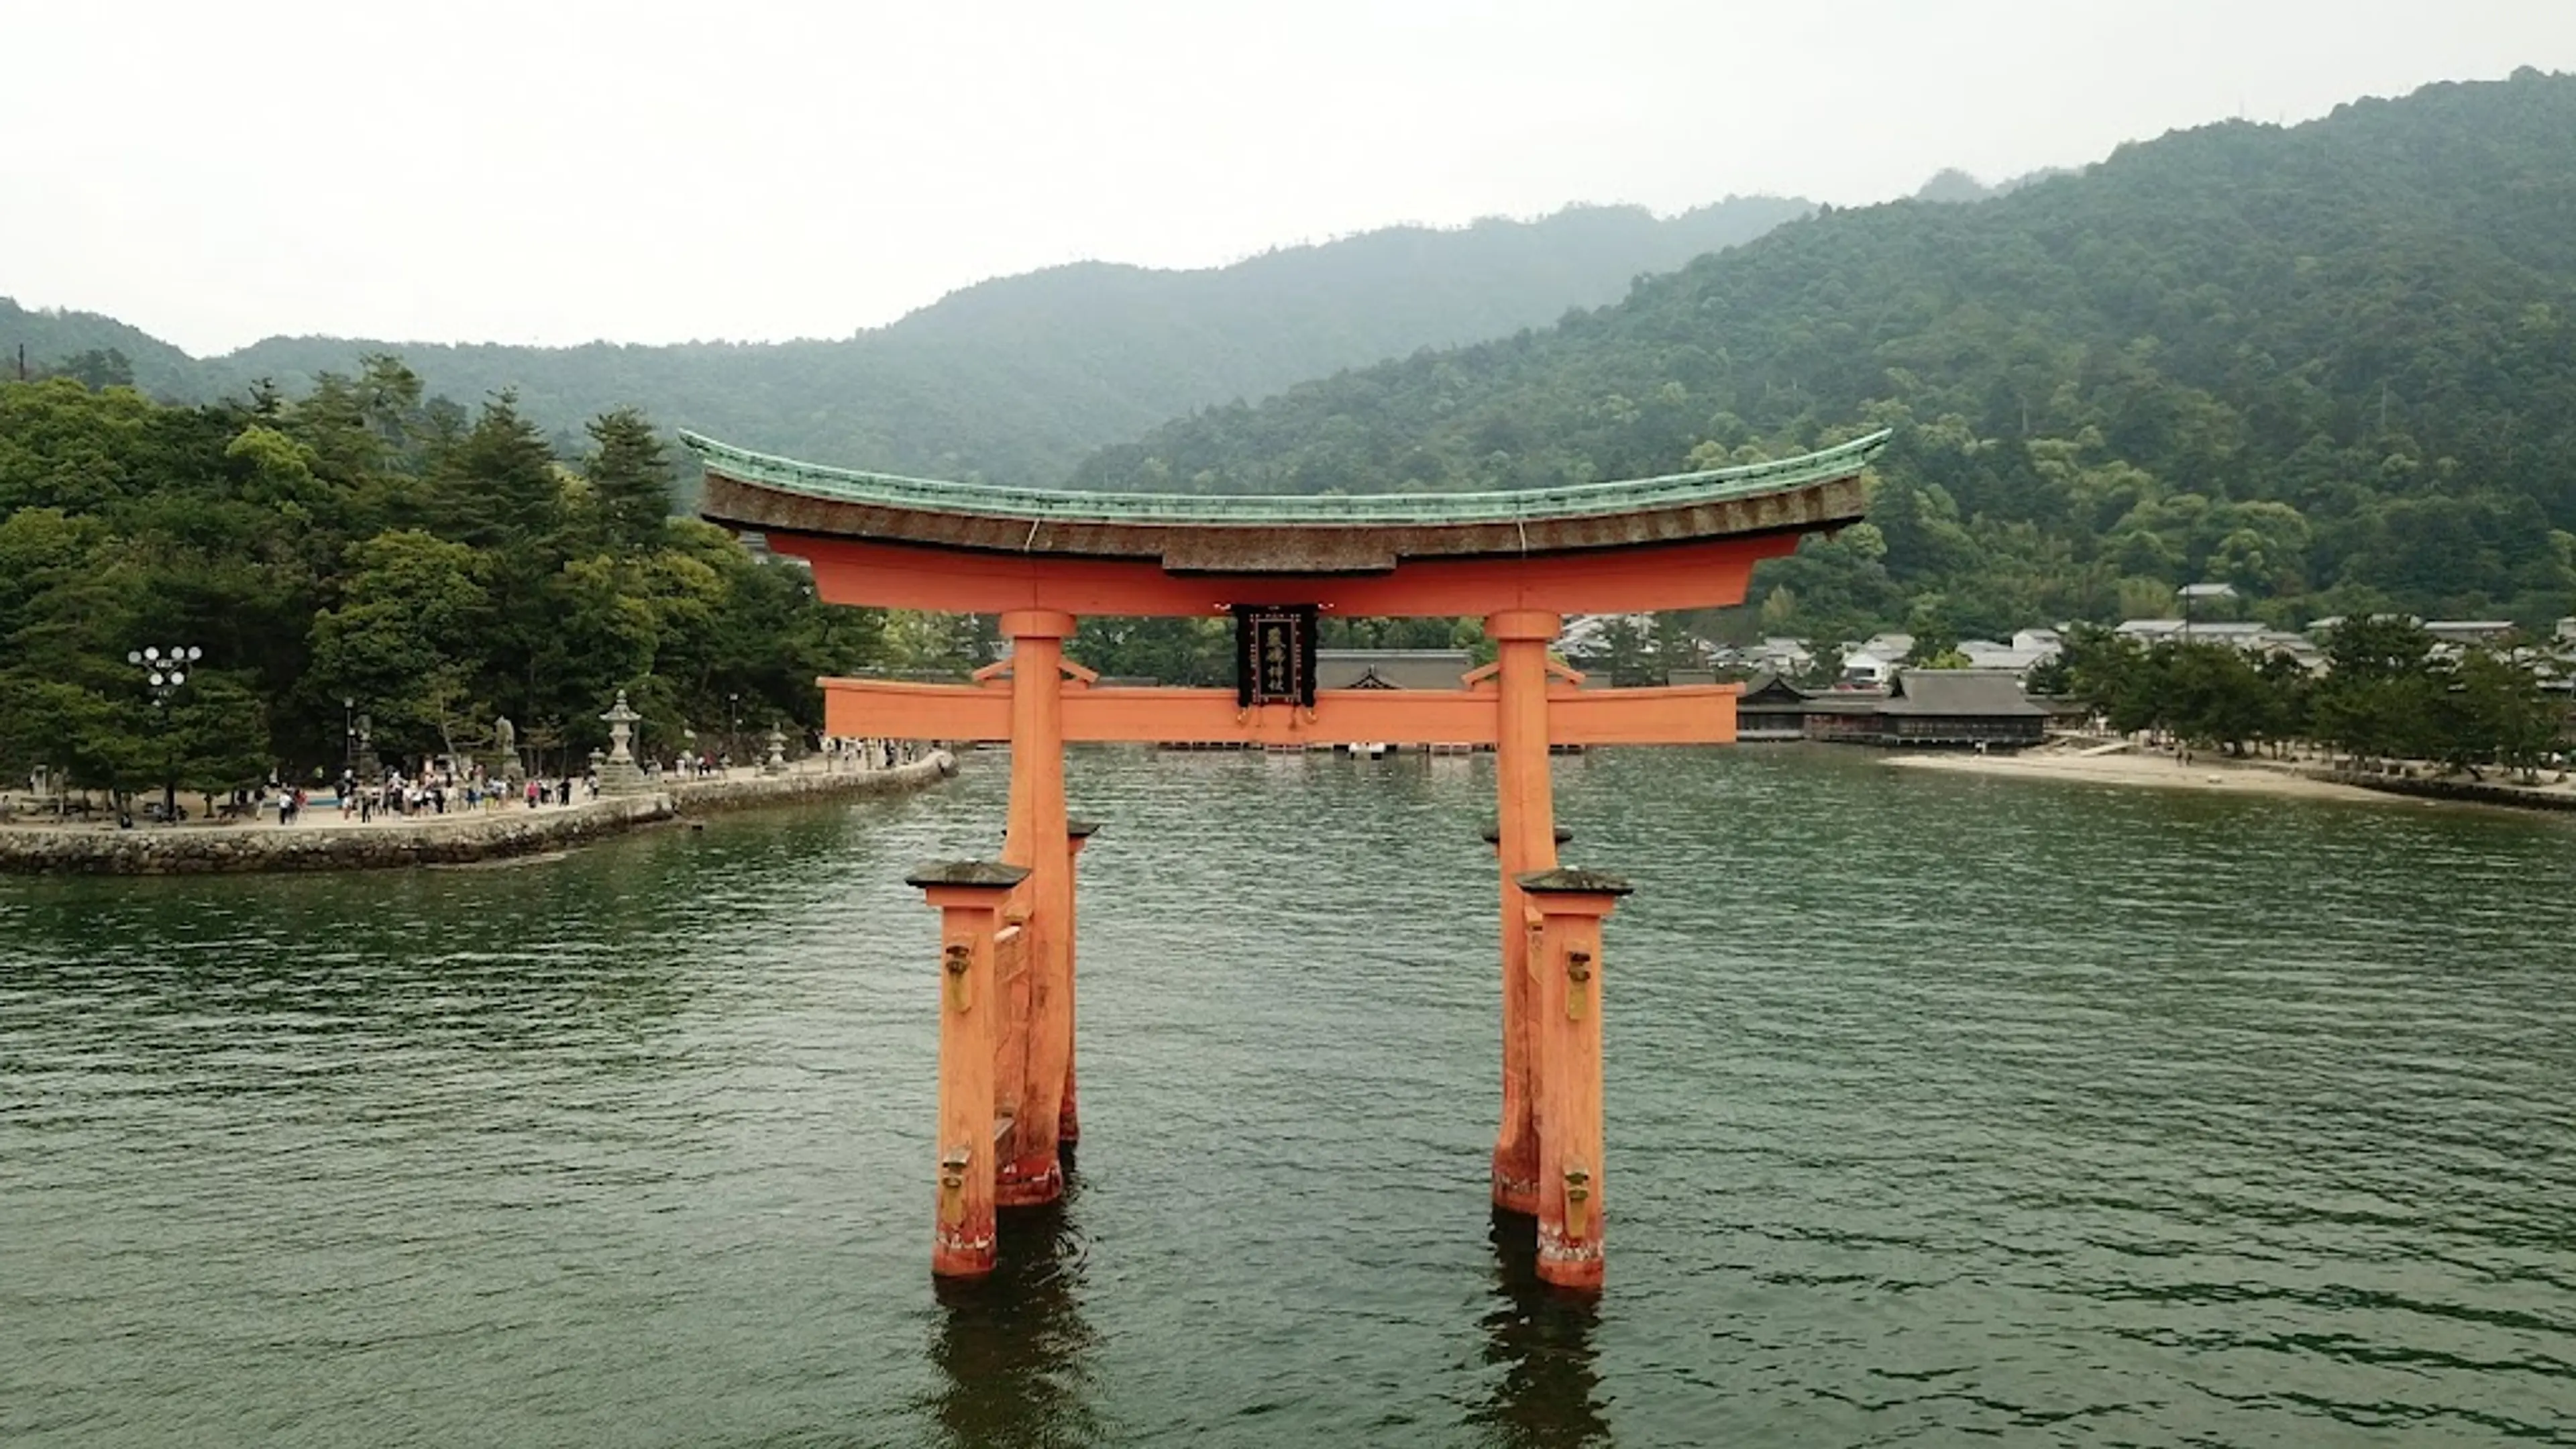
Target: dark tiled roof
[(1846, 701), (1959, 692), (1770, 689), (1391, 668)]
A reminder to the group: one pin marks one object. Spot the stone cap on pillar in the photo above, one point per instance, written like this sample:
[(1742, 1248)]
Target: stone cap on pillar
[(1493, 833), (1572, 881), (966, 874), (1077, 828)]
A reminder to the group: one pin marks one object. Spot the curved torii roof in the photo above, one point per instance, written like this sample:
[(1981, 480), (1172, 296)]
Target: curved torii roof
[(1283, 535)]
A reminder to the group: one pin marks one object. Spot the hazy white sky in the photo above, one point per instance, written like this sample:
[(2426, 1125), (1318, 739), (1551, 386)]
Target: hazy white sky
[(543, 171)]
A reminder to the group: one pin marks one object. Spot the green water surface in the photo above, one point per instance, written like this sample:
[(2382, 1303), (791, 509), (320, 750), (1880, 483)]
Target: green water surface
[(1939, 1108)]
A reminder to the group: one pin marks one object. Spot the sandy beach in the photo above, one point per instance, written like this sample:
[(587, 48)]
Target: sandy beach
[(2131, 767)]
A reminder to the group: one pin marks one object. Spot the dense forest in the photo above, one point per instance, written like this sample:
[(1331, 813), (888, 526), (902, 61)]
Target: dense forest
[(1012, 379), (2333, 365), (366, 550)]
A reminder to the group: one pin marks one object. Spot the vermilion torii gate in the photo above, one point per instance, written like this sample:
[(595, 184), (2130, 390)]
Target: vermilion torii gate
[(1040, 560)]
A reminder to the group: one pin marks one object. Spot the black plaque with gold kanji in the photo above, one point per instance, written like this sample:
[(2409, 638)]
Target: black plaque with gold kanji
[(1274, 654)]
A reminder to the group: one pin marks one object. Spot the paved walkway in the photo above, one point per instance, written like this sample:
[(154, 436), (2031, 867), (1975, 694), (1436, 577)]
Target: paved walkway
[(328, 817), (16, 810), (323, 840)]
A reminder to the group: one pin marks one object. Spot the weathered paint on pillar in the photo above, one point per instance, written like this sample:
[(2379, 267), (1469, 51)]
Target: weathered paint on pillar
[(1523, 1105), (969, 897), (1011, 1020), (1525, 823), (1566, 1022), (1031, 1174), (1068, 1122)]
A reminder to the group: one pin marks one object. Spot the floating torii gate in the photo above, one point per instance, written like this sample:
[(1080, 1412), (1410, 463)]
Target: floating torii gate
[(1041, 559)]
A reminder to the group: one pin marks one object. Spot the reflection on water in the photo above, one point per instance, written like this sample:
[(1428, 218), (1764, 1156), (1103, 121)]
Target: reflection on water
[(1549, 1395), (1939, 1109), (1012, 1349)]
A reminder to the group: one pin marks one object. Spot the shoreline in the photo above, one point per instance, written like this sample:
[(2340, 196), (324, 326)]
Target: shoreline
[(331, 843), (2152, 771), (2219, 775)]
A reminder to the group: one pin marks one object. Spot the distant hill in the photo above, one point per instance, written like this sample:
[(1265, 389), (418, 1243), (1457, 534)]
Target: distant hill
[(2333, 365), (1953, 184), (1015, 379), (47, 339)]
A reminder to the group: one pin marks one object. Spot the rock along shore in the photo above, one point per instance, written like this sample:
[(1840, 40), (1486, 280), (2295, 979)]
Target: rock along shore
[(2457, 792), (329, 843)]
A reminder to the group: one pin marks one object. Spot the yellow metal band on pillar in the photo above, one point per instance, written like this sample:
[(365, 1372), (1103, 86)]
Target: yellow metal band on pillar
[(952, 1183)]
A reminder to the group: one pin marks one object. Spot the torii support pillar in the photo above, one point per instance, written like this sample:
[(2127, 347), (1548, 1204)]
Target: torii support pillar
[(1038, 841), (1566, 1017), (1516, 1150), (1068, 1121), (969, 895), (1525, 838)]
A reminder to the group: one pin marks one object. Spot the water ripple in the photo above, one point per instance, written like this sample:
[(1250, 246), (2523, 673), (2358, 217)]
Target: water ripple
[(1939, 1107)]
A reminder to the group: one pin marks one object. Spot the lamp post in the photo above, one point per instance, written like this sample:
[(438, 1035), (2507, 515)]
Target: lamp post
[(348, 734), (2194, 593), (163, 672), (733, 730)]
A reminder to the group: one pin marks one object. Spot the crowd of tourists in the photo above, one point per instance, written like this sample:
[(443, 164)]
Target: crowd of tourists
[(438, 788), (852, 753), (437, 791), (838, 754), (431, 790)]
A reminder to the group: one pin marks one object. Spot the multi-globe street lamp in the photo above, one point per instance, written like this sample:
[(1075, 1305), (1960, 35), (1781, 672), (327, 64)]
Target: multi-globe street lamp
[(164, 670), (733, 730)]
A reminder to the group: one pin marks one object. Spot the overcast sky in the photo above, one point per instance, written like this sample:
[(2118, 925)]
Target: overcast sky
[(642, 171)]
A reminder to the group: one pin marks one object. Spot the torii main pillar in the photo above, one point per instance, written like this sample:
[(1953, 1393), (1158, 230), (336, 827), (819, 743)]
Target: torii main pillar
[(1031, 1172), (1525, 840)]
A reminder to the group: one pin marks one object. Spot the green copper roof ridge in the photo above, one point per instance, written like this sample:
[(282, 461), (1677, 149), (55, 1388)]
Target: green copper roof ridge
[(852, 485)]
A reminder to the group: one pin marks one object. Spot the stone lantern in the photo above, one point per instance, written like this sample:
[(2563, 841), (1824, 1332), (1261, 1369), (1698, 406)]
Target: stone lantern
[(776, 764), (618, 774)]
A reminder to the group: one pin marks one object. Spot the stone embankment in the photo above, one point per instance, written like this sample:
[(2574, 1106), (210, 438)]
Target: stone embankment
[(329, 843), (705, 797), (2455, 791)]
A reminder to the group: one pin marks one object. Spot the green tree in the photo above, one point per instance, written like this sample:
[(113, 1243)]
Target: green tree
[(407, 638), (2499, 715), (629, 472), (97, 368), (2379, 695), (2212, 693)]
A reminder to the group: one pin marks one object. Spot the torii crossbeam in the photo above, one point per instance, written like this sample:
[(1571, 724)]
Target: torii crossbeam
[(1040, 560)]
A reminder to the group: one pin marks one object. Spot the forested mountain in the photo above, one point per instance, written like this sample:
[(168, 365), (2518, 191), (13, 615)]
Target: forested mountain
[(1015, 379), (97, 350), (2333, 364)]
